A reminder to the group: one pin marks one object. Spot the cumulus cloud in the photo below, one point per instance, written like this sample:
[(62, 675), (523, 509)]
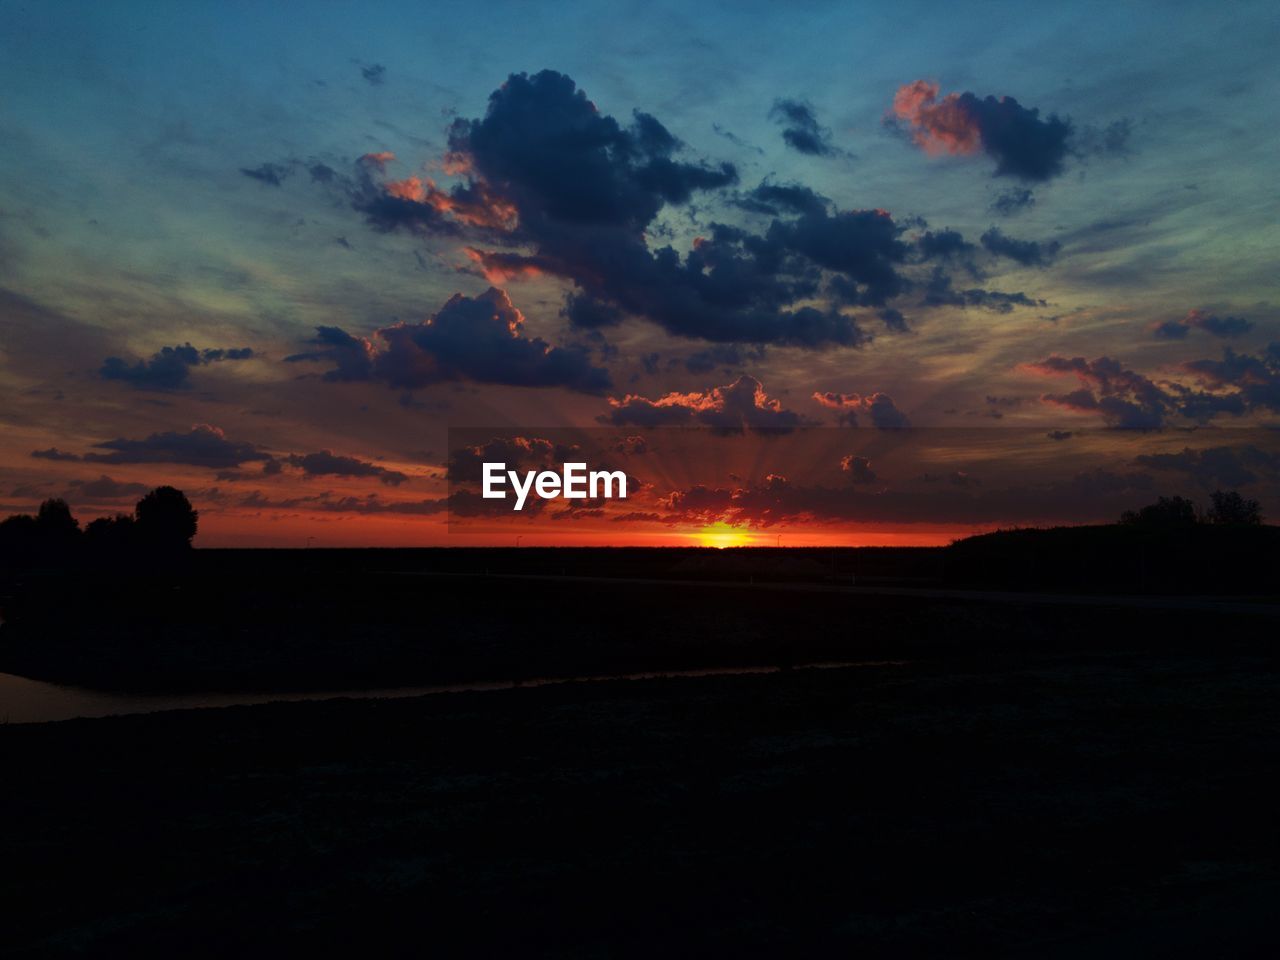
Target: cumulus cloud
[(880, 407), (470, 338), (1022, 144), (553, 185), (800, 128), (169, 368), (741, 405), (201, 446)]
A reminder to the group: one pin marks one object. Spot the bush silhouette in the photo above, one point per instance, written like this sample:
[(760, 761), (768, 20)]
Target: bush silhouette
[(1165, 512), (166, 520), (1230, 507)]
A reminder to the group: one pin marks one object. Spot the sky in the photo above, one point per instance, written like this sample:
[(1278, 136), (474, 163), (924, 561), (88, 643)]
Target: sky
[(824, 272)]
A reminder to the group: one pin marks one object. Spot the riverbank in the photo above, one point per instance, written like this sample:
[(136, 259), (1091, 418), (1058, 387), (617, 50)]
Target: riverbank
[(1118, 805)]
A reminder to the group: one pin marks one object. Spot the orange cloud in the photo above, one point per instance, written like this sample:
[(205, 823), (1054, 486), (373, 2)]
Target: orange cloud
[(938, 126), (476, 206), (501, 268), (379, 160)]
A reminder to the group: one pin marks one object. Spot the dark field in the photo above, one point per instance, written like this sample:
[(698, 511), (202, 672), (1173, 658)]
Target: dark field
[(1023, 780)]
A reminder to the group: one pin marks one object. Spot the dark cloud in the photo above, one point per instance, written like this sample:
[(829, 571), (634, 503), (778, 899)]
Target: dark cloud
[(566, 190), (352, 356), (944, 244), (481, 339), (1211, 323), (1029, 253), (1256, 378), (1015, 200), (1060, 435), (1170, 330), (884, 413), (800, 128), (781, 199), (1127, 399), (169, 368), (375, 73), (1216, 467), (470, 338), (1022, 144), (940, 293), (202, 446), (722, 356), (53, 453), (741, 405), (103, 488), (327, 463), (858, 469), (272, 174)]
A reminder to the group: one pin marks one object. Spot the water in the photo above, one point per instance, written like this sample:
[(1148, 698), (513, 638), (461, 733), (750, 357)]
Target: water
[(23, 700)]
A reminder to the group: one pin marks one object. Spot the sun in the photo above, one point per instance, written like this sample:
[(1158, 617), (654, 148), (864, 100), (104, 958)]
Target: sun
[(721, 535)]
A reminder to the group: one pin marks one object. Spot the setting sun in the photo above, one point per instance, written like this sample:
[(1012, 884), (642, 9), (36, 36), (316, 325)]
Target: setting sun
[(722, 535)]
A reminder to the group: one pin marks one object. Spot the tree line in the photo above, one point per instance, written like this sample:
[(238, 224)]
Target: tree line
[(1226, 507), (162, 524)]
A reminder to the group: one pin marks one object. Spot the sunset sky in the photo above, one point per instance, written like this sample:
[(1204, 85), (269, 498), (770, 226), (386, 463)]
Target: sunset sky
[(830, 272)]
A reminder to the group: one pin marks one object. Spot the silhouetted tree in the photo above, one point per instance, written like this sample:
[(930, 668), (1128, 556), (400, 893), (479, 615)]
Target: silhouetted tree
[(112, 535), (1230, 507), (55, 521), (166, 519), (1165, 512), (18, 539)]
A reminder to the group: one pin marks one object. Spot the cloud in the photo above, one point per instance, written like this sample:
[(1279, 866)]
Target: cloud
[(375, 73), (858, 469), (741, 405), (352, 356), (1029, 253), (1217, 466), (481, 339), (800, 128), (1255, 377), (202, 446), (1060, 435), (1127, 399), (880, 407), (940, 293), (53, 453), (778, 199), (1014, 200), (1022, 144), (470, 338), (271, 174), (103, 488), (1211, 323), (327, 463), (169, 368), (578, 193)]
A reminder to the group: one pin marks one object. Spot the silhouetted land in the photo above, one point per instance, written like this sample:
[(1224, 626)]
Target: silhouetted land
[(1106, 804), (1026, 779)]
